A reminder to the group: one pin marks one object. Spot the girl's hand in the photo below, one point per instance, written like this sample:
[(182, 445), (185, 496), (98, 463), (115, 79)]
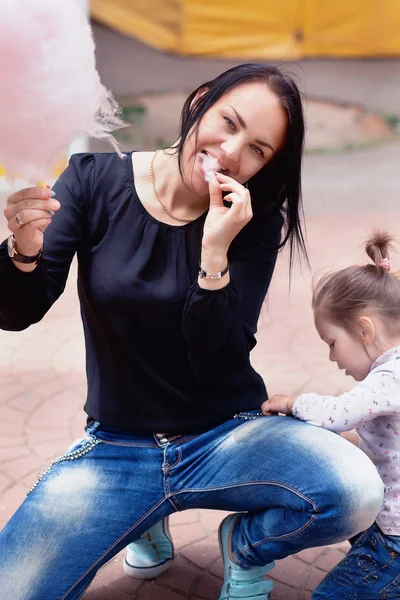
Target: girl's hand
[(280, 403), (28, 213), (223, 224)]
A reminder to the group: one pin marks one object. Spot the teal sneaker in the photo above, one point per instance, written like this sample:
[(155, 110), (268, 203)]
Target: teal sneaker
[(239, 583), (151, 554)]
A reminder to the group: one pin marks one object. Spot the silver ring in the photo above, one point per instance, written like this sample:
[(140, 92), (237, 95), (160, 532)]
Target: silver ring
[(18, 220)]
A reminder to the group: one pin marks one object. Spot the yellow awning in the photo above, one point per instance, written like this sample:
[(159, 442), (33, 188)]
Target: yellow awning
[(260, 29)]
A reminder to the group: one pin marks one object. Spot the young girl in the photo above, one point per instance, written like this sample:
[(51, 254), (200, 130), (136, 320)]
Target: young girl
[(357, 313)]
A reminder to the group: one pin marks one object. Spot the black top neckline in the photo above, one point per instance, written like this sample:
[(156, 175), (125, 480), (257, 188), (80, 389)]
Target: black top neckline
[(144, 210)]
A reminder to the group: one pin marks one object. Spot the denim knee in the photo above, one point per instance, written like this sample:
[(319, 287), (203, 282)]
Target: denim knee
[(353, 507)]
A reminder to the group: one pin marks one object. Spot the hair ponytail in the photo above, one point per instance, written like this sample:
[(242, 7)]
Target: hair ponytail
[(377, 248), (342, 297)]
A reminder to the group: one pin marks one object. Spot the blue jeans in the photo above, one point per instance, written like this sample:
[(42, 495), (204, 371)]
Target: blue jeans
[(300, 486), (370, 571)]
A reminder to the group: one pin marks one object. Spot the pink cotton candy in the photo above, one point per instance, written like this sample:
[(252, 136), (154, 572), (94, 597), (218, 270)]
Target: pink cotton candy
[(50, 90)]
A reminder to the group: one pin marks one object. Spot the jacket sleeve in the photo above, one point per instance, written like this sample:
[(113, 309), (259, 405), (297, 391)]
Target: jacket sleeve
[(26, 297), (378, 394), (219, 326)]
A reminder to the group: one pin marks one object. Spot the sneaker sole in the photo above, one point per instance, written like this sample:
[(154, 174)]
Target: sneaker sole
[(146, 572)]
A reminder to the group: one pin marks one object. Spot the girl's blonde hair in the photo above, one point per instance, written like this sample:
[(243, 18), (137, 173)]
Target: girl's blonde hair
[(343, 296)]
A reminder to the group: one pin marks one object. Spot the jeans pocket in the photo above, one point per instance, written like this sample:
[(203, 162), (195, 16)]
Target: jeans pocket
[(76, 450)]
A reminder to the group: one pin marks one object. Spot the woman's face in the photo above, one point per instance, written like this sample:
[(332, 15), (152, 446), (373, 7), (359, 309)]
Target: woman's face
[(243, 131)]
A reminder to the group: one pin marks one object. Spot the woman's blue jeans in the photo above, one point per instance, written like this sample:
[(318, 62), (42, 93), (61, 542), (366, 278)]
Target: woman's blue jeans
[(297, 486)]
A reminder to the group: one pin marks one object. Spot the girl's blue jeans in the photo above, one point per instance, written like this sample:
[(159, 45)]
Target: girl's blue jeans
[(370, 571), (296, 486)]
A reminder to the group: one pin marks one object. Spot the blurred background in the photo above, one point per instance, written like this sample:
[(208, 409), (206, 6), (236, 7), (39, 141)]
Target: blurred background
[(345, 56)]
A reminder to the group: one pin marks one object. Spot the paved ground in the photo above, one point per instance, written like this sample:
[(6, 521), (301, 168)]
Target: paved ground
[(42, 385)]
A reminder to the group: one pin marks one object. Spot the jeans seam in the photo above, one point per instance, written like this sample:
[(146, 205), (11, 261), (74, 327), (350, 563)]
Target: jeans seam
[(262, 482), (279, 537), (178, 460), (167, 491), (175, 502), (121, 537)]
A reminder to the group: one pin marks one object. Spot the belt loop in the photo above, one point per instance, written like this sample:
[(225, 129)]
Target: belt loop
[(92, 428)]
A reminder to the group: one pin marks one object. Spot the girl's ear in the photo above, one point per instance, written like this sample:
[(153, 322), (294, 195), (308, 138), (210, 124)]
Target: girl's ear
[(199, 94), (367, 330)]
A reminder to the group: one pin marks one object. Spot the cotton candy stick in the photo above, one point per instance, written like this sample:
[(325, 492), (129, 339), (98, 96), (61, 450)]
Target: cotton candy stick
[(50, 89)]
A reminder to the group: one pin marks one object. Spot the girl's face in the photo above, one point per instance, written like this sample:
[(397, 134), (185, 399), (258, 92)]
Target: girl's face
[(243, 131), (345, 350)]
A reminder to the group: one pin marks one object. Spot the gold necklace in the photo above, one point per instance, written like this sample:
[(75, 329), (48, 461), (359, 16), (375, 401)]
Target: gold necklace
[(153, 183)]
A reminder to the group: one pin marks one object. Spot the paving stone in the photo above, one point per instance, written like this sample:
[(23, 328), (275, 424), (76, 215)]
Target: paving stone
[(9, 390), (50, 416), (212, 519), (13, 452), (65, 403), (217, 567), (185, 517), (180, 576), (29, 480), (290, 570), (111, 581), (208, 587), (10, 500), (51, 387), (50, 450), (329, 559), (105, 593), (26, 402), (77, 424), (32, 378), (315, 576), (7, 378), (201, 553), (43, 434), (20, 467), (5, 482), (11, 420), (181, 536), (10, 440), (310, 555), (282, 591), (75, 380), (153, 591)]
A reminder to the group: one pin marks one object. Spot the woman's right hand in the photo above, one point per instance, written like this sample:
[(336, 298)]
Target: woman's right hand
[(28, 213)]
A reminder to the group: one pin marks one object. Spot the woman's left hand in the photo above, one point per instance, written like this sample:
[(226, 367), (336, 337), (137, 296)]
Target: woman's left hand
[(223, 224), (280, 403)]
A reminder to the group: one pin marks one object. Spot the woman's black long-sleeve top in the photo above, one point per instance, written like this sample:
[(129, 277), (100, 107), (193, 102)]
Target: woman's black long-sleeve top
[(162, 353)]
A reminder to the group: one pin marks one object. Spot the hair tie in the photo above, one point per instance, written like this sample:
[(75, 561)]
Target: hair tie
[(384, 264)]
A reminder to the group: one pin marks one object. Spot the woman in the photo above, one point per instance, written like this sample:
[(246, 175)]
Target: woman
[(173, 402)]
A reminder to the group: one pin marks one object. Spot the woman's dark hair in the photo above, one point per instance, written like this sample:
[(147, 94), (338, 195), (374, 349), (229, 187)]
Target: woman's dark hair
[(278, 184)]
